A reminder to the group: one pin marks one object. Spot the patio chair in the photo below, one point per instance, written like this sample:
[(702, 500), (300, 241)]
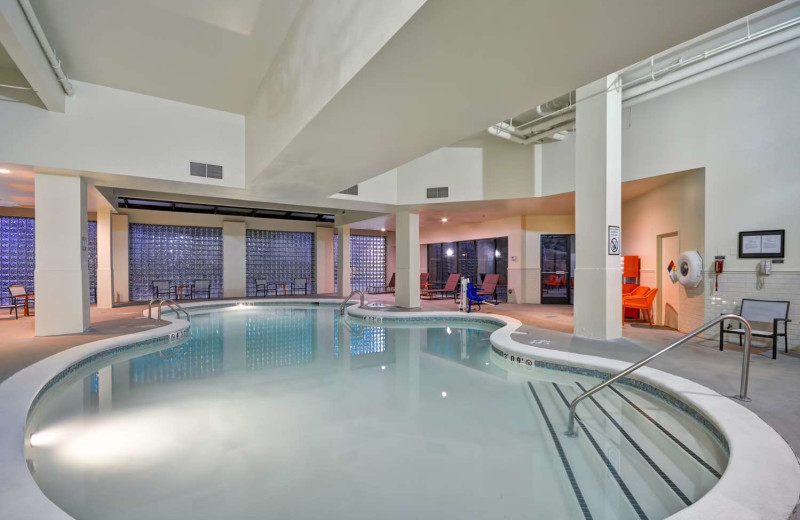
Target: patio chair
[(200, 287), (300, 284), (489, 286), (264, 286), (380, 289), (762, 312), (450, 288), (474, 297), (643, 303), (162, 289), (20, 297)]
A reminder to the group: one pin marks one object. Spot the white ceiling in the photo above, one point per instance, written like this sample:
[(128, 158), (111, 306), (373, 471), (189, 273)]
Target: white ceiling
[(212, 53)]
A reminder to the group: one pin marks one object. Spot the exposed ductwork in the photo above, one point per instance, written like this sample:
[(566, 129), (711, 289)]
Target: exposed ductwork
[(27, 8)]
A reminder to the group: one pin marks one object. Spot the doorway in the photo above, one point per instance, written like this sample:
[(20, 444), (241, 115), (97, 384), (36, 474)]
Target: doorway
[(668, 300), (558, 268)]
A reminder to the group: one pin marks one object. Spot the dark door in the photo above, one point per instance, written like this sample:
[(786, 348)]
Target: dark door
[(558, 265)]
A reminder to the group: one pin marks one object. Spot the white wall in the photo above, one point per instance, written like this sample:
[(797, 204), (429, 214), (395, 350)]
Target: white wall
[(113, 131), (460, 169)]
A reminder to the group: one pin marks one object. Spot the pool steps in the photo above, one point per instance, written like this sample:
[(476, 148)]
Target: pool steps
[(632, 459)]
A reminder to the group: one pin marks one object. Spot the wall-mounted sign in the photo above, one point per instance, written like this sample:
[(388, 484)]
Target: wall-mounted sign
[(761, 244), (614, 244)]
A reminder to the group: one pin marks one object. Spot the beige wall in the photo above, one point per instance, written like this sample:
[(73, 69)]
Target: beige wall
[(678, 206)]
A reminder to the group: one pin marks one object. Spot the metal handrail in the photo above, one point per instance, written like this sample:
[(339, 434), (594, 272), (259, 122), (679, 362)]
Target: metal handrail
[(172, 304), (344, 303), (745, 366)]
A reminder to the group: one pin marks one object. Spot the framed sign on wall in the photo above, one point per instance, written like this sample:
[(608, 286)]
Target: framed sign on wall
[(761, 244)]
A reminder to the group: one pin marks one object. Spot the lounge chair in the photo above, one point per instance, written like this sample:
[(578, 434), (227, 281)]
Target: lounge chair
[(451, 287), (474, 297), (20, 297), (162, 289), (380, 289), (643, 303), (300, 284), (489, 285), (201, 287)]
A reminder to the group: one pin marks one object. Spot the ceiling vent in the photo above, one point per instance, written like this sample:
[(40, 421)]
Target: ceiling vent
[(211, 171), (352, 190), (438, 193)]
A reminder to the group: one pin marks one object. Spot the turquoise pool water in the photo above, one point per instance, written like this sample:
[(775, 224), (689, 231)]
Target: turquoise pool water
[(295, 413)]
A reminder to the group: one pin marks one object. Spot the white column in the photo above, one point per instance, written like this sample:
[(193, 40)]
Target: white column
[(407, 261), (343, 254), (105, 263), (598, 166), (119, 257), (324, 260), (62, 271), (234, 259)]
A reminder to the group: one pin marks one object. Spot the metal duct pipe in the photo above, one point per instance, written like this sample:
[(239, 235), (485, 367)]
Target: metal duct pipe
[(504, 130), (45, 45), (554, 105)]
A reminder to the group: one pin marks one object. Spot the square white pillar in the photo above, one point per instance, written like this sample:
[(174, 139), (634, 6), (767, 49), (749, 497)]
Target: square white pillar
[(105, 262), (598, 176), (343, 259), (119, 257), (234, 259), (407, 259), (324, 260), (62, 244)]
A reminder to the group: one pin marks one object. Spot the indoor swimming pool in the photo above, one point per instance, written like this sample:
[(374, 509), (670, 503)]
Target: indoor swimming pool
[(296, 412)]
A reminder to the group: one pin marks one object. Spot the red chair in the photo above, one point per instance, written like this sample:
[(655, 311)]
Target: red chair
[(489, 285), (642, 302), (450, 288)]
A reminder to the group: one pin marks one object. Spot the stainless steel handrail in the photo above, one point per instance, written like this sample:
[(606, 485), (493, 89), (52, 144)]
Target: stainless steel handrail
[(344, 303), (745, 365), (172, 304)]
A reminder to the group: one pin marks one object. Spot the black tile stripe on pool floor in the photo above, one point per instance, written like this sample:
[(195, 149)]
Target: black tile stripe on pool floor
[(587, 515), (668, 481), (621, 483), (666, 432)]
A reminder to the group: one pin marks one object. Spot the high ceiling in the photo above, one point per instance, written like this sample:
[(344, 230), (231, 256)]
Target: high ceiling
[(212, 53)]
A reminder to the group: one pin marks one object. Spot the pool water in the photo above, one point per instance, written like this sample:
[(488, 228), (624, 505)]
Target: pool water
[(296, 413)]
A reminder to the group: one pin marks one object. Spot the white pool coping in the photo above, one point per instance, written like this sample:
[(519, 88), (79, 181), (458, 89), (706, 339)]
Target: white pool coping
[(760, 482)]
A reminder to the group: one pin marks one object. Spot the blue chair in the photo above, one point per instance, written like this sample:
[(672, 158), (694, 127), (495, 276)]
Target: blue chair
[(472, 297)]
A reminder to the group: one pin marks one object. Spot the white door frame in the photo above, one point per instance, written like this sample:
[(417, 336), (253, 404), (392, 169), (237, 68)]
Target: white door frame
[(660, 273)]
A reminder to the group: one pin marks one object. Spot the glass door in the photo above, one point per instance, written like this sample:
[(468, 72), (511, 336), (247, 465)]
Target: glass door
[(558, 266)]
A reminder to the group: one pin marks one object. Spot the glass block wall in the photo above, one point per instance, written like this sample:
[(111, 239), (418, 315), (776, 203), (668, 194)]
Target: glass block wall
[(179, 254), (279, 257), (367, 262), (18, 257)]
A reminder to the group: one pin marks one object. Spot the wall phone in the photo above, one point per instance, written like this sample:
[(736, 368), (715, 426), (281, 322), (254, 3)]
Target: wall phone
[(765, 267)]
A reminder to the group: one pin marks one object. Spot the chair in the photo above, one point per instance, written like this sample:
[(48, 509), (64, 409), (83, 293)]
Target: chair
[(162, 289), (474, 297), (424, 286), (16, 292), (489, 286), (642, 302), (451, 287), (762, 311), (379, 289), (265, 286), (201, 287), (300, 284)]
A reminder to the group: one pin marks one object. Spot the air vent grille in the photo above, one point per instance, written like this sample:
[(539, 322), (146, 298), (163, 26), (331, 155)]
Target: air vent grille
[(211, 171), (352, 190), (438, 193)]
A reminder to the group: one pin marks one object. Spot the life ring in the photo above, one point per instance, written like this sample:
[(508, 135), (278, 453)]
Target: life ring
[(690, 268)]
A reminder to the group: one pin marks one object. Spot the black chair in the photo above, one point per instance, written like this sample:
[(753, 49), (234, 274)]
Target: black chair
[(200, 287), (264, 286), (761, 311), (300, 284), (162, 289)]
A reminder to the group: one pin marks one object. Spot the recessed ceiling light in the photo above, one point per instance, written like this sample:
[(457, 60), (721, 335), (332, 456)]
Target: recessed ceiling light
[(383, 229), (3, 170), (444, 219)]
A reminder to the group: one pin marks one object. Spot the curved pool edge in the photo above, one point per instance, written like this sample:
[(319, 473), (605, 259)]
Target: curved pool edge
[(762, 478), (761, 481)]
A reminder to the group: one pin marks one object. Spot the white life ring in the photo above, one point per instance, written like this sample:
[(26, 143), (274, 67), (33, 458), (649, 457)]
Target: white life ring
[(690, 268)]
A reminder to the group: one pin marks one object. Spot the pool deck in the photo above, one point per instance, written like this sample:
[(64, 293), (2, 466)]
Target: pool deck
[(773, 383)]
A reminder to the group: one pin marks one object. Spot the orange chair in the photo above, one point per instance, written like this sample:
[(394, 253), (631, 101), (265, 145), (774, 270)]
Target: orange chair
[(643, 302)]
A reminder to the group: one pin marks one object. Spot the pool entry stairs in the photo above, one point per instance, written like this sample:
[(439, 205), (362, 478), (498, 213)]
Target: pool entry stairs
[(633, 458)]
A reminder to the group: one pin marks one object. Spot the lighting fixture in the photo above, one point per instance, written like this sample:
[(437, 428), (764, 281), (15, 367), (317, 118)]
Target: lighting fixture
[(449, 252), (449, 331), (383, 367), (4, 171), (383, 230), (444, 394), (497, 253), (444, 219)]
